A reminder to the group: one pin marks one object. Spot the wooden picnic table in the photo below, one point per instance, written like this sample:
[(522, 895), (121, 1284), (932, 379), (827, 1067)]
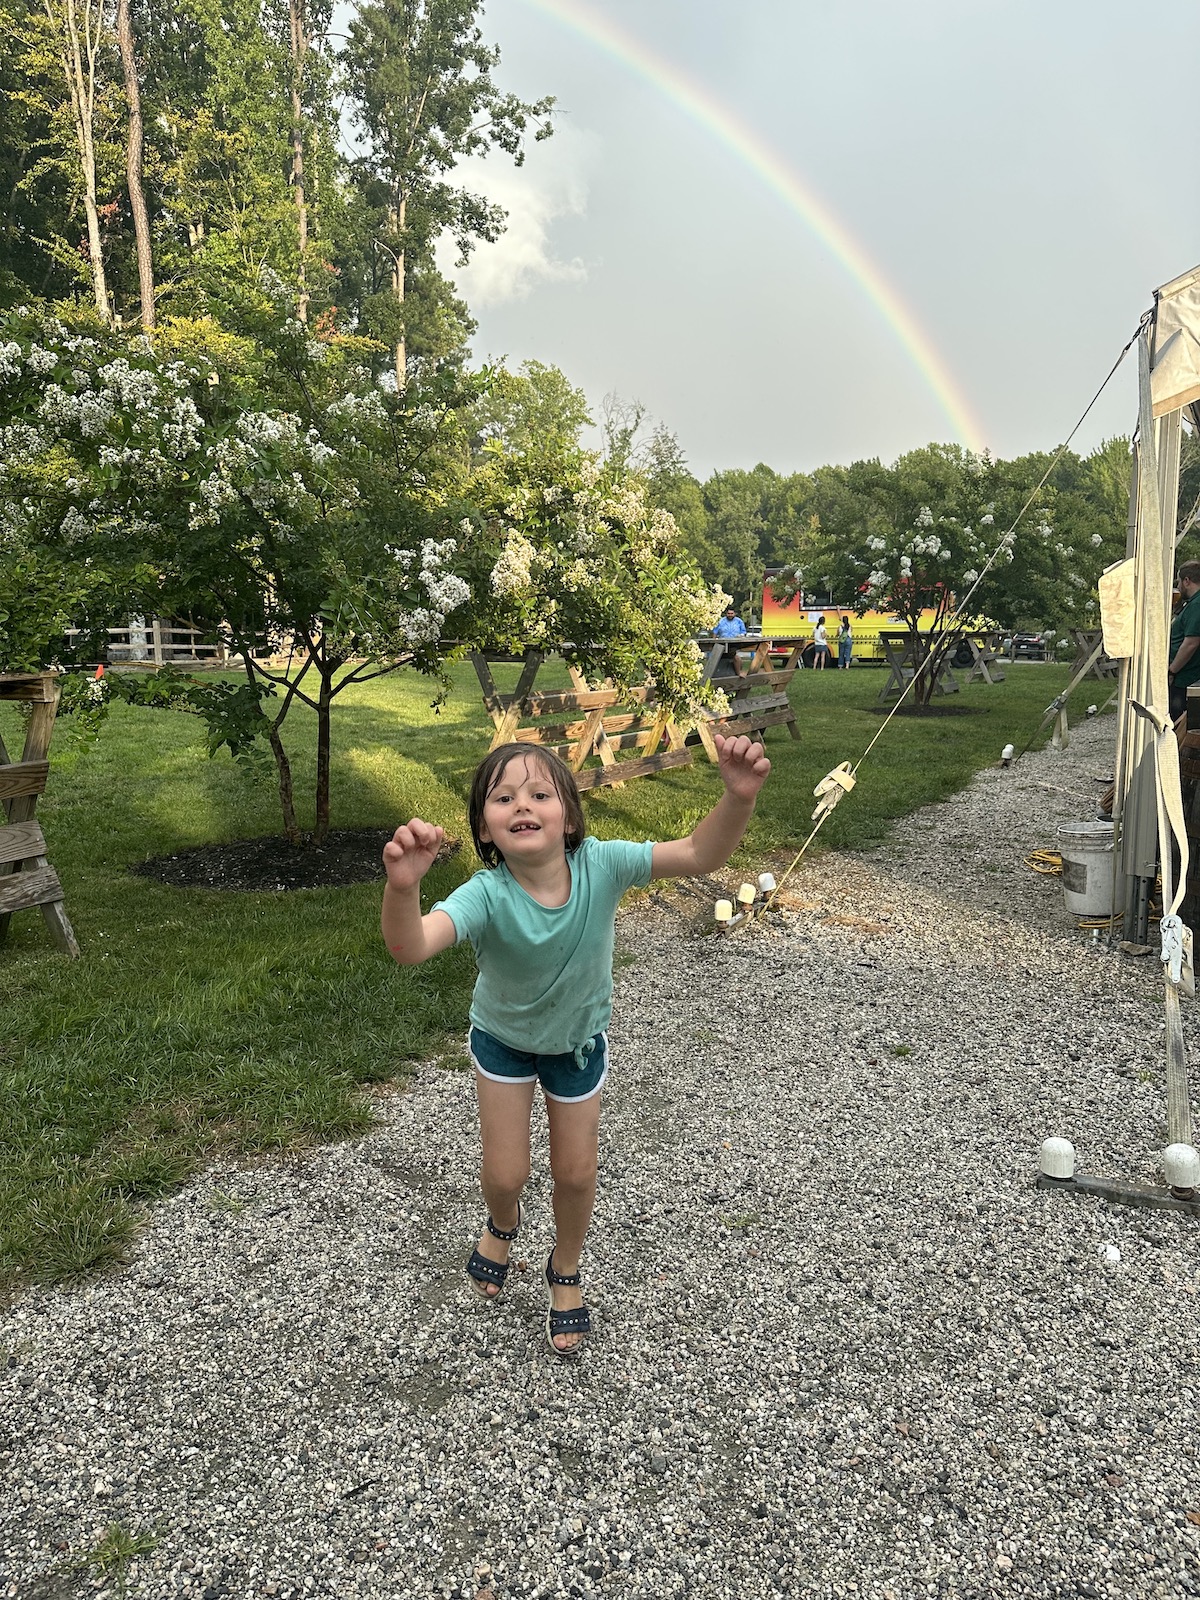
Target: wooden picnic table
[(899, 654), (757, 688), (27, 879), (1086, 640), (985, 657)]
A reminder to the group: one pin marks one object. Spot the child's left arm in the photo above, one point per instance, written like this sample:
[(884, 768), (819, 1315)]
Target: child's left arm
[(743, 768)]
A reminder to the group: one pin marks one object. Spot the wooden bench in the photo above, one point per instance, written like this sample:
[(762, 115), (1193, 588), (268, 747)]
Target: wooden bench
[(26, 877)]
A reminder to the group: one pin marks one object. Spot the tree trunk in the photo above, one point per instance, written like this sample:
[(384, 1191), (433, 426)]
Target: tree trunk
[(79, 68), (923, 668), (287, 798), (299, 37), (133, 166), (324, 702), (398, 218), (283, 767)]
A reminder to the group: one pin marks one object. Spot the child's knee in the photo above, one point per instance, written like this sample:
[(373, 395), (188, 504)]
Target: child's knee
[(576, 1174), (505, 1175)]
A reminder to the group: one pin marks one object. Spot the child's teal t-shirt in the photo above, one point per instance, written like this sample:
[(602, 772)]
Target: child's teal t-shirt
[(545, 972)]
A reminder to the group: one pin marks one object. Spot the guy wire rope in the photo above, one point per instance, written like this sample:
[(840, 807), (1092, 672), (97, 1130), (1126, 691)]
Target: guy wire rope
[(938, 651)]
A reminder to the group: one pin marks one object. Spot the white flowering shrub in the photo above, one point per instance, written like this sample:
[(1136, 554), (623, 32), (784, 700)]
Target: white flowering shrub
[(562, 560), (279, 517), (257, 480)]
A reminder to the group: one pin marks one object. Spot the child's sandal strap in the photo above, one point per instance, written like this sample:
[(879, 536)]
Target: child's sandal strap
[(578, 1321), (568, 1280), (484, 1270), (507, 1235)]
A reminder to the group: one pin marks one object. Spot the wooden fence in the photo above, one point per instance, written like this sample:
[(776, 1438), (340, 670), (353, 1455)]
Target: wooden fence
[(159, 642)]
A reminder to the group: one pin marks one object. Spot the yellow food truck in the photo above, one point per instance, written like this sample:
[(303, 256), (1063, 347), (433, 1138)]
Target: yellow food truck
[(799, 617)]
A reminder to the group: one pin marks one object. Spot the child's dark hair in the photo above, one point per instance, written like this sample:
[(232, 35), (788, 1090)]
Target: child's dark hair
[(488, 774)]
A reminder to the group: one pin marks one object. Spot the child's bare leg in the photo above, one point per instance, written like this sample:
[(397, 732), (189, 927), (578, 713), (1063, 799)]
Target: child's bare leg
[(504, 1113), (574, 1145)]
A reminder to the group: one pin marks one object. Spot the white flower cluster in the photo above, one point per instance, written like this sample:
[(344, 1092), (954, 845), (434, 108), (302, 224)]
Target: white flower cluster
[(20, 442), (419, 626), (512, 572), (10, 359), (259, 428), (446, 590), (353, 408), (40, 361), (75, 526), (625, 504), (136, 389), (318, 451), (181, 431)]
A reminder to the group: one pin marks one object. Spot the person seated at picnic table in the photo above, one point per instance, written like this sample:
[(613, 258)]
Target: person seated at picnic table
[(730, 626)]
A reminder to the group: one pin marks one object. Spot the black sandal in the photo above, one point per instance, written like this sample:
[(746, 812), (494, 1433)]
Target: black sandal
[(482, 1270), (577, 1321)]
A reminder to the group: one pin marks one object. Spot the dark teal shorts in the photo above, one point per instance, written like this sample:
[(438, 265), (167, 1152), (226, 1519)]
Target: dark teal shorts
[(561, 1077)]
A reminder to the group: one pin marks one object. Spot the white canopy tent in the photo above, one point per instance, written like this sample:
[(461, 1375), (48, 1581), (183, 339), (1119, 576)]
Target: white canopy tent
[(1148, 808)]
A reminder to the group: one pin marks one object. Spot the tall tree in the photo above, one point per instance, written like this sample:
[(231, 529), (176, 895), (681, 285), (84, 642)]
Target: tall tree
[(422, 86), (133, 165), (536, 411), (79, 31), (219, 102), (312, 120)]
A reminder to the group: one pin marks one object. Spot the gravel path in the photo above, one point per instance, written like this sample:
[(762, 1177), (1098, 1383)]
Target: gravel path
[(844, 1347)]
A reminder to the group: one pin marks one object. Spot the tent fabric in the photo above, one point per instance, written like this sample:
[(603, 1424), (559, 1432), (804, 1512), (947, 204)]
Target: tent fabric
[(1117, 609), (1153, 641), (1175, 381)]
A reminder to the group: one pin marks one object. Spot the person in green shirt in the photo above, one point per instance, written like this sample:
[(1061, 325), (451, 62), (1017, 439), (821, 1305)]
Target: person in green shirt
[(1183, 662), (540, 919)]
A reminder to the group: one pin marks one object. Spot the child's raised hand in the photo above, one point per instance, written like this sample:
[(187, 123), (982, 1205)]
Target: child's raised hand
[(743, 765), (408, 854)]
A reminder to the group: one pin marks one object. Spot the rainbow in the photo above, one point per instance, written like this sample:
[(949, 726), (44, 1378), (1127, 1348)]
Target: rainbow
[(704, 108)]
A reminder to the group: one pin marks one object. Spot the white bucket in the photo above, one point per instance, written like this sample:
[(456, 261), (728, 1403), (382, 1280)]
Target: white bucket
[(1087, 867)]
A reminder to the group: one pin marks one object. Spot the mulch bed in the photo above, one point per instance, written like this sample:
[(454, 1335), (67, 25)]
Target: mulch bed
[(270, 864)]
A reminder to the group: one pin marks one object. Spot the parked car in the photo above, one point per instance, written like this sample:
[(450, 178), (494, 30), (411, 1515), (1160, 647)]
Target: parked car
[(1030, 646)]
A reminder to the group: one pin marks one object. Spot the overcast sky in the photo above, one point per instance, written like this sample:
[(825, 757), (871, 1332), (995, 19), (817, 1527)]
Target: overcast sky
[(1019, 176)]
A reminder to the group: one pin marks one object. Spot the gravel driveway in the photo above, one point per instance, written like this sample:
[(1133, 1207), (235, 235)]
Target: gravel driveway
[(843, 1346)]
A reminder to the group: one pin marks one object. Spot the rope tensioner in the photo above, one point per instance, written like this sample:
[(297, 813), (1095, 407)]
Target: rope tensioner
[(831, 789)]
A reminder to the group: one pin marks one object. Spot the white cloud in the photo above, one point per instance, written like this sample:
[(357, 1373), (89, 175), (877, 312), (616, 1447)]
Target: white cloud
[(551, 184)]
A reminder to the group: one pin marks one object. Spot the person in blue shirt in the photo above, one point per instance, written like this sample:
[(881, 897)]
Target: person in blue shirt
[(541, 920), (730, 626)]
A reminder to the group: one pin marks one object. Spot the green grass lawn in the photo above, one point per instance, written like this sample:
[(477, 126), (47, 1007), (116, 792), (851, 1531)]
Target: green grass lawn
[(198, 1021)]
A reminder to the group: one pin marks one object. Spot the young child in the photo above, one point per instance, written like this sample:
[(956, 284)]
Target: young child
[(541, 922)]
